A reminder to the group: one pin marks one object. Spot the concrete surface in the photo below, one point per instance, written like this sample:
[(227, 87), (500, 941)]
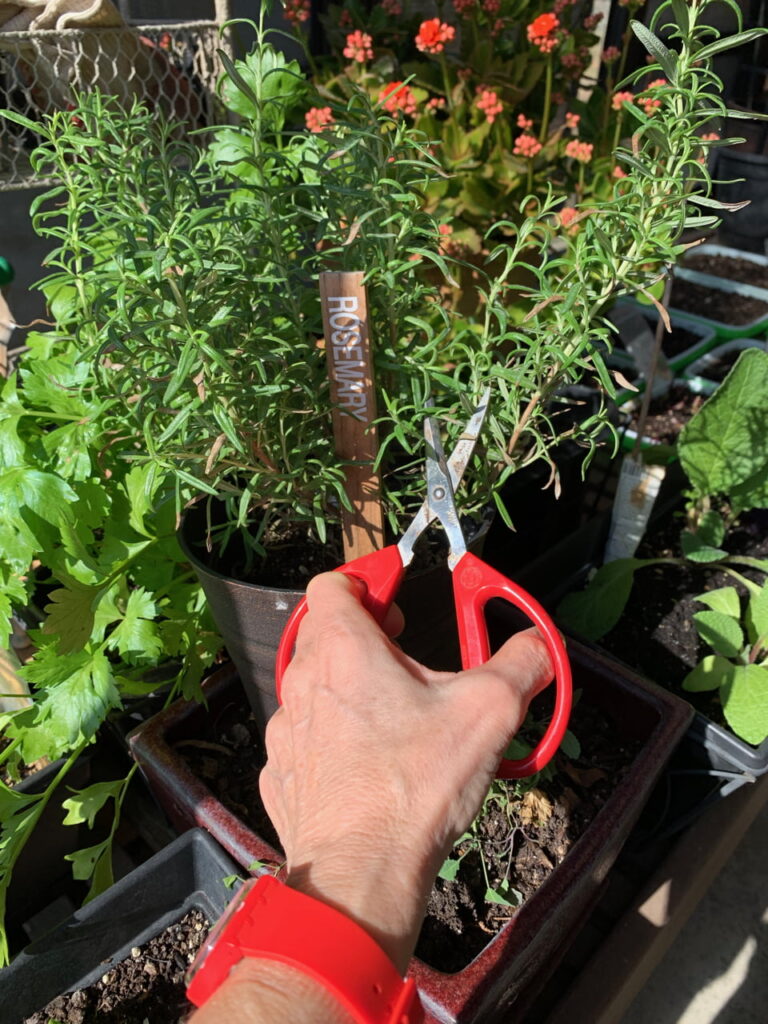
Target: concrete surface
[(716, 972)]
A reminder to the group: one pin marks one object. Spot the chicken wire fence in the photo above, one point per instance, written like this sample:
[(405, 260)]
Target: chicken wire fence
[(173, 68)]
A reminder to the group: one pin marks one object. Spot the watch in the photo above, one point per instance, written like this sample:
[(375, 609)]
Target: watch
[(269, 920)]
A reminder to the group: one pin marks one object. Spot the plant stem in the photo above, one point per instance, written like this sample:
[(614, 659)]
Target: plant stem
[(547, 102)]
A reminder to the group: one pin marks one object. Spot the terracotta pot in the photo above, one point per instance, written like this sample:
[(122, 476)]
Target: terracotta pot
[(514, 965), (251, 618)]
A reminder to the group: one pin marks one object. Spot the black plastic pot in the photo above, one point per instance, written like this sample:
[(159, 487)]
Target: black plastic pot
[(709, 747), (746, 228), (187, 874), (251, 618)]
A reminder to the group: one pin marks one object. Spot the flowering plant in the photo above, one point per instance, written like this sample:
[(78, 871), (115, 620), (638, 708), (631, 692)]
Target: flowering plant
[(494, 83)]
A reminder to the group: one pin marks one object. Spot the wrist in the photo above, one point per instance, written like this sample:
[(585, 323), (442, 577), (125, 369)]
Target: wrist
[(380, 895)]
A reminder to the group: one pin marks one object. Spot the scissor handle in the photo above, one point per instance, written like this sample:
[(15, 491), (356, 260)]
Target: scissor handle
[(381, 572), (474, 584)]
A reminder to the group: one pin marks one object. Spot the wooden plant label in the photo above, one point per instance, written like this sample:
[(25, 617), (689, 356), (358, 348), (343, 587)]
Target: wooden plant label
[(350, 369)]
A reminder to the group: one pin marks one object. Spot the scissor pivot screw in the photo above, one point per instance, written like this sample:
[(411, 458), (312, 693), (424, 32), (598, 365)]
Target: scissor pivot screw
[(439, 493)]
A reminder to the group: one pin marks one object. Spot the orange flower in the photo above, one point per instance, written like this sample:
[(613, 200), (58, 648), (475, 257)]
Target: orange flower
[(297, 10), (396, 97), (433, 35), (581, 151), (317, 119), (650, 103), (567, 215), (620, 98), (526, 123), (527, 146), (489, 103), (541, 32), (358, 47)]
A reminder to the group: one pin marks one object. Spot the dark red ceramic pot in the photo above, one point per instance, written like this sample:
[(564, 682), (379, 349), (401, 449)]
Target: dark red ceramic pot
[(507, 974)]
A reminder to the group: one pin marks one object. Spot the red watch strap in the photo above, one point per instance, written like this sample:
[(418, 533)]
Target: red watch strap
[(269, 920)]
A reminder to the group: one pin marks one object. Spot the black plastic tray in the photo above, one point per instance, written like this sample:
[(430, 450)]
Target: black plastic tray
[(189, 873)]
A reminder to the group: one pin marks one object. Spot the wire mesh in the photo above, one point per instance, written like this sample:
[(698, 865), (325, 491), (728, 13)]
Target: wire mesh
[(173, 68)]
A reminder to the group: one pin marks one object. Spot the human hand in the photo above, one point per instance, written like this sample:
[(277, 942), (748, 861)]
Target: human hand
[(377, 764)]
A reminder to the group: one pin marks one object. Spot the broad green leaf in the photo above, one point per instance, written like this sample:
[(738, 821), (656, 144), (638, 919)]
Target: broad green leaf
[(86, 803), (73, 694), (711, 673), (721, 445), (745, 702), (70, 616), (594, 611), (570, 745), (724, 599), (136, 635), (721, 632), (44, 493)]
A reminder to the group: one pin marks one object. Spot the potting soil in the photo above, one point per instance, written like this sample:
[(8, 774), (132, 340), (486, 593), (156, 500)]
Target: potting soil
[(668, 414), (730, 267), (656, 634), (146, 986), (726, 307)]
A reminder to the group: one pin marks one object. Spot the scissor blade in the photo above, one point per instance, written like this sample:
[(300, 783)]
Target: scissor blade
[(456, 464)]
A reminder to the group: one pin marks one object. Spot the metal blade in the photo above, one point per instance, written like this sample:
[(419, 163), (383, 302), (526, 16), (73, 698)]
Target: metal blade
[(456, 464)]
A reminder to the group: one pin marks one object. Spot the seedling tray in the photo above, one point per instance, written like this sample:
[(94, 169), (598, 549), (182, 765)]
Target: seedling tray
[(701, 366), (723, 330), (187, 874), (704, 331)]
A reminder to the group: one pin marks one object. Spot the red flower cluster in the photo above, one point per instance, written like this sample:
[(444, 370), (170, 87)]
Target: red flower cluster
[(398, 97), (318, 118), (358, 47), (620, 98), (650, 103), (489, 103), (581, 151), (527, 146), (541, 32), (433, 35)]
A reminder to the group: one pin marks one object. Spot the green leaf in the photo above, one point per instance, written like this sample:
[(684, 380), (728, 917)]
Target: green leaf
[(745, 702), (141, 484), (94, 862), (724, 599), (570, 745), (594, 611), (137, 635), (504, 895), (85, 804), (73, 694), (729, 42), (449, 870), (757, 616), (722, 633), (70, 615), (43, 493), (666, 58), (721, 445), (711, 673)]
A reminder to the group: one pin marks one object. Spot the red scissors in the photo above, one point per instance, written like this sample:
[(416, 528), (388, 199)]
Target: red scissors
[(474, 584)]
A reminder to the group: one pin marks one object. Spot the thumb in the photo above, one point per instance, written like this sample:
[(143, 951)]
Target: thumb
[(524, 663)]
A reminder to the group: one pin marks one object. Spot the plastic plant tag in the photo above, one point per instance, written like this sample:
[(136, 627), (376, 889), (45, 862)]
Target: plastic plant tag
[(638, 339), (635, 495)]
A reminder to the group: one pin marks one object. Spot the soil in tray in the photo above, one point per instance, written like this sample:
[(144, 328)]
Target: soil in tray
[(540, 826), (726, 307), (673, 342), (668, 414), (656, 635), (146, 986), (720, 369), (730, 267)]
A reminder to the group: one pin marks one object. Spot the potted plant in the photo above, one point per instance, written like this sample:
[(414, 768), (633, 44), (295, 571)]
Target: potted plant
[(204, 768), (498, 86), (213, 343), (719, 622), (115, 597)]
